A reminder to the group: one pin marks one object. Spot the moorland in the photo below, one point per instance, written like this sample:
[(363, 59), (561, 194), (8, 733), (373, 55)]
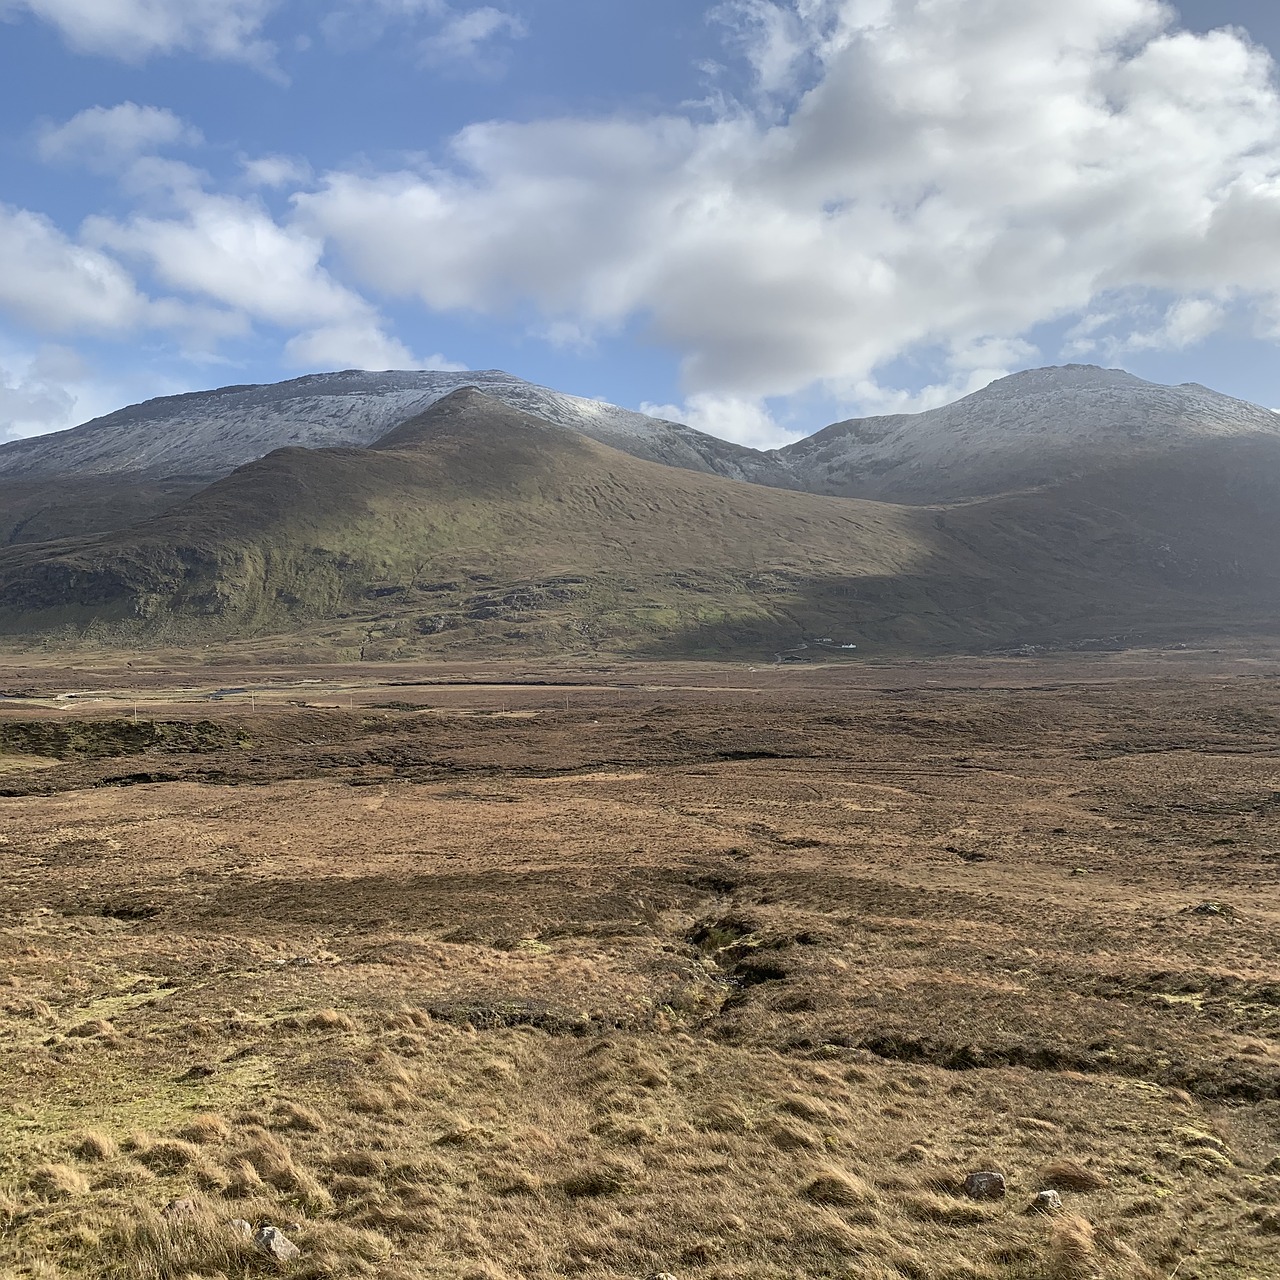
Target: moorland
[(604, 969)]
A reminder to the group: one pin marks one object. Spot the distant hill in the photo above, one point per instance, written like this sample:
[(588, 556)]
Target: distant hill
[(1035, 428), (475, 525)]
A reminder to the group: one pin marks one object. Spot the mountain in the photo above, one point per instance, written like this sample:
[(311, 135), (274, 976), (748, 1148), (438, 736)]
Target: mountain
[(208, 434), (1035, 428), (475, 525), (472, 512)]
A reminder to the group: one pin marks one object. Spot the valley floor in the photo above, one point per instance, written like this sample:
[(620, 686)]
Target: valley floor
[(611, 971)]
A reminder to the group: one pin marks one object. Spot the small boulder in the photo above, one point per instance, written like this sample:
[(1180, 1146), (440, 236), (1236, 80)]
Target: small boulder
[(242, 1228), (1046, 1202), (985, 1186), (273, 1241), (179, 1210)]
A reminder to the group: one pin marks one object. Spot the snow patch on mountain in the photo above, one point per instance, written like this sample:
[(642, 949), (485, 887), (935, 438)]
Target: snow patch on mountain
[(210, 433), (1029, 429)]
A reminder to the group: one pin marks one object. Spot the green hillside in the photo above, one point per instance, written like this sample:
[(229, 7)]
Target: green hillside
[(477, 526)]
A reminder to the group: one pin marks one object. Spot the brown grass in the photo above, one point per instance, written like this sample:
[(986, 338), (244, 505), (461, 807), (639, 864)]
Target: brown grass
[(206, 1130), (1070, 1175), (468, 1020), (1072, 1249), (96, 1147)]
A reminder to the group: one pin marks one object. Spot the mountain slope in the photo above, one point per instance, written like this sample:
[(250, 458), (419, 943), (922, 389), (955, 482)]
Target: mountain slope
[(471, 492), (1030, 429), (476, 525), (208, 434)]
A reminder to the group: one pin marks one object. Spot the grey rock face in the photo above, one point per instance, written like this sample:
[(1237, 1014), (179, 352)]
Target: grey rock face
[(985, 1186)]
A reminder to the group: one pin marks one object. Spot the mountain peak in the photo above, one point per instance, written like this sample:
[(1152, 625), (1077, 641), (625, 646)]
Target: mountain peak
[(1061, 377), (469, 412), (1030, 429)]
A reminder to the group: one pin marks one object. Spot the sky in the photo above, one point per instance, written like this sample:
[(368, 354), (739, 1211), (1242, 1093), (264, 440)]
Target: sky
[(754, 216)]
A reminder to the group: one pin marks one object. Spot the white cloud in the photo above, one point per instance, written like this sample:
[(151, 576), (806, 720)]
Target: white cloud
[(358, 345), (1184, 324), (463, 40), (134, 30), (276, 171), (233, 252), (52, 388), (108, 138), (50, 283), (743, 419), (927, 176), (460, 40)]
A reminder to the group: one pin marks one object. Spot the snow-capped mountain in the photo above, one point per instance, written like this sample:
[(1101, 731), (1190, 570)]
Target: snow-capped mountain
[(1034, 428), (1030, 429), (210, 433)]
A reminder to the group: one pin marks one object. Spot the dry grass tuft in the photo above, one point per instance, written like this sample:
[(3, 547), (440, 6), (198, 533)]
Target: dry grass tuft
[(206, 1131), (1070, 1175), (92, 1030), (147, 1246), (170, 1155), (297, 1116), (790, 1137), (358, 1164), (96, 1147), (926, 1207), (244, 1180), (837, 1189), (272, 1161), (604, 1179), (1073, 1251), (724, 1117), (321, 1020), (58, 1181), (809, 1109)]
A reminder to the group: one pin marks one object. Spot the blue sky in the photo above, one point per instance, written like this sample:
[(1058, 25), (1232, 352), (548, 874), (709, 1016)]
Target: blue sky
[(754, 215)]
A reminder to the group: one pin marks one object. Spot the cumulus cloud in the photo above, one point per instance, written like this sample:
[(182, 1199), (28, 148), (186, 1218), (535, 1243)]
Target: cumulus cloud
[(231, 252), (275, 171), (52, 387), (358, 345), (51, 283), (108, 138), (744, 419), (134, 30), (924, 176)]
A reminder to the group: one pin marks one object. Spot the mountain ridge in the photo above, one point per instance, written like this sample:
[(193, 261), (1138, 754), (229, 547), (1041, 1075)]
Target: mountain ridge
[(1021, 431), (207, 434), (475, 528)]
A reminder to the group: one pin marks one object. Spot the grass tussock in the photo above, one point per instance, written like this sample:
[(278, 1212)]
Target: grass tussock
[(206, 1131), (96, 1147), (1073, 1253), (58, 1181), (838, 1190), (1070, 1175), (297, 1116)]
